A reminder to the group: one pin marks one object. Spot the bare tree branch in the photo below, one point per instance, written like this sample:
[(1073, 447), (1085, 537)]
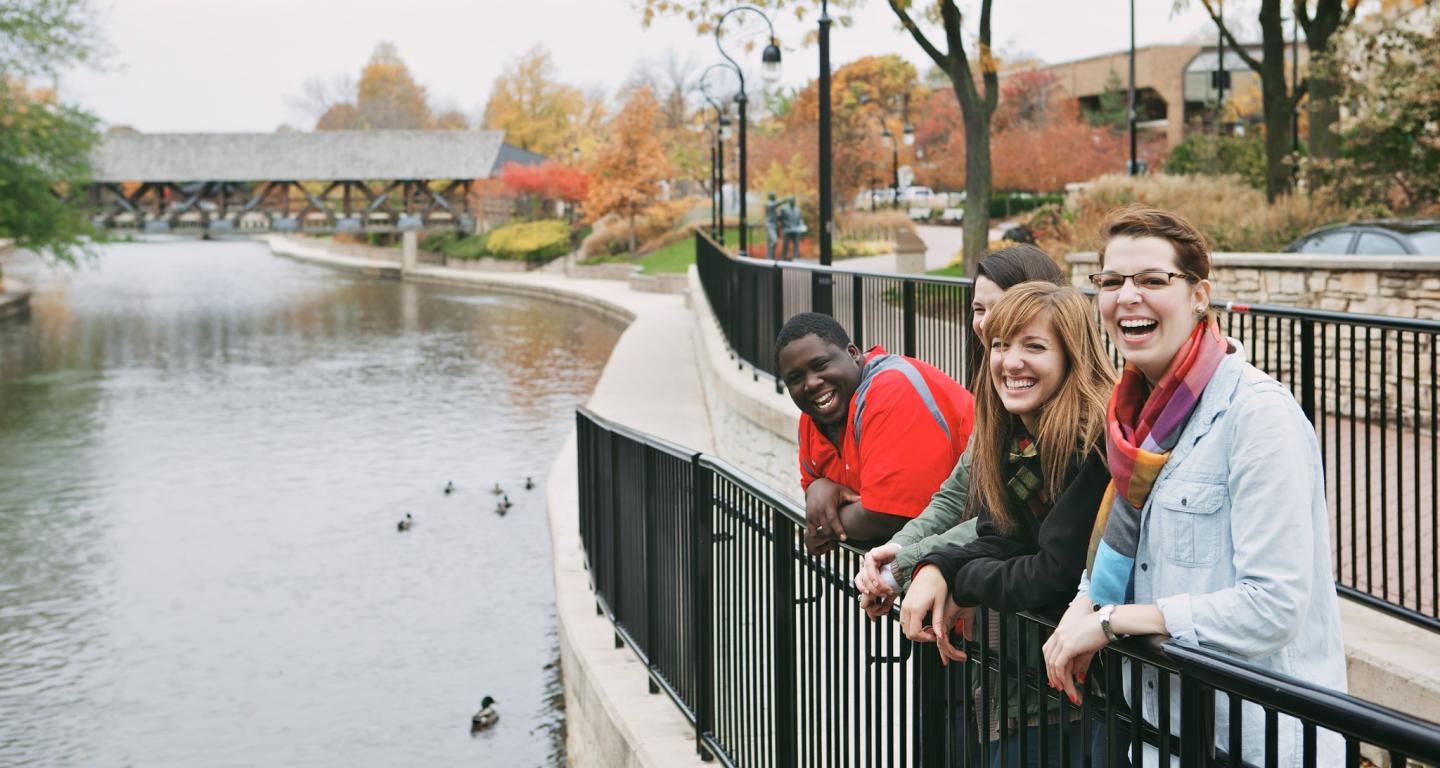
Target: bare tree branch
[(988, 69), (1251, 61), (940, 59)]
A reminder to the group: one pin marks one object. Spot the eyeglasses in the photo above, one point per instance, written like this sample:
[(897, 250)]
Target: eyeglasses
[(1147, 280)]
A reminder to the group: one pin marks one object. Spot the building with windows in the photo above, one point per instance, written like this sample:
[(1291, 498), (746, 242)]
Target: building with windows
[(1178, 87)]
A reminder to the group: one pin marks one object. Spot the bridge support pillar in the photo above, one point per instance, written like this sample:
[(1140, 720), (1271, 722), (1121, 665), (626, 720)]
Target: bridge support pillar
[(409, 248)]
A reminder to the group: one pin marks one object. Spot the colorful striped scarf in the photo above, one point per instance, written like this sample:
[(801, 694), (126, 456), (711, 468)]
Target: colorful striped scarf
[(1142, 425)]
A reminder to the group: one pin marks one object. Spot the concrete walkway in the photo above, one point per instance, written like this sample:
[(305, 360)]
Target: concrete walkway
[(942, 244)]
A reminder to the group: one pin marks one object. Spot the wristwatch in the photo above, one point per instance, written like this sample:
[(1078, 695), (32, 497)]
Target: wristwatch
[(1104, 613)]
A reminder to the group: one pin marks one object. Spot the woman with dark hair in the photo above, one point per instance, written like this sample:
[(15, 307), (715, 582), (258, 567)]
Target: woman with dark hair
[(1214, 528), (947, 520)]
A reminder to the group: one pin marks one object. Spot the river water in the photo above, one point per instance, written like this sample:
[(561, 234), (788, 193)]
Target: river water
[(204, 452)]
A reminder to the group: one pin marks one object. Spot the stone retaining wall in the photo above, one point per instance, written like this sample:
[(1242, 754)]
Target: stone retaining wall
[(1395, 286), (754, 427)]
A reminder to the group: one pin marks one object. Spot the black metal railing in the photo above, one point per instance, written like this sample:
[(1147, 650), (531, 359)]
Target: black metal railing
[(764, 649), (1368, 383)]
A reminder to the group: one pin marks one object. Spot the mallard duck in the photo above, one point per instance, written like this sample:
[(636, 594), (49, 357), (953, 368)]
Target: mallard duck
[(505, 501), (501, 509), (405, 523), (529, 483), (497, 490), (449, 487), (486, 717)]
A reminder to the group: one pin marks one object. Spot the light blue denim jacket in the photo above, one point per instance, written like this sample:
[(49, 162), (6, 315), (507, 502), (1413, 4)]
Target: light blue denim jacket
[(1235, 548)]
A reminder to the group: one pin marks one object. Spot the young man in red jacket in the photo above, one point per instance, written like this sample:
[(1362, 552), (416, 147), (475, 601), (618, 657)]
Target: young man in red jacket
[(879, 432)]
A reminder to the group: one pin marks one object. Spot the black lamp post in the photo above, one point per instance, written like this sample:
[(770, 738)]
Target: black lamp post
[(1133, 167), (822, 297), (770, 60), (717, 155), (889, 139)]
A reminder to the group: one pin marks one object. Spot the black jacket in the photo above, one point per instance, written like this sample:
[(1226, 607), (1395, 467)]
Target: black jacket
[(1036, 566)]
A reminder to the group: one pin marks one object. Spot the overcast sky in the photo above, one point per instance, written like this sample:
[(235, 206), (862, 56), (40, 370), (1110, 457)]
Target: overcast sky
[(221, 65)]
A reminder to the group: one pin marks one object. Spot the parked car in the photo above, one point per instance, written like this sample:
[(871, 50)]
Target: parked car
[(1373, 238), (915, 196)]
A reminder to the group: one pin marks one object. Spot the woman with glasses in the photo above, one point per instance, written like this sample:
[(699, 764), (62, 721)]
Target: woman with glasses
[(1213, 530)]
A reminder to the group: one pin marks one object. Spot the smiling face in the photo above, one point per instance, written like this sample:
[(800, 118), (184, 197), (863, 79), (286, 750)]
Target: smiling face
[(1028, 368), (984, 296), (1149, 326), (821, 377)]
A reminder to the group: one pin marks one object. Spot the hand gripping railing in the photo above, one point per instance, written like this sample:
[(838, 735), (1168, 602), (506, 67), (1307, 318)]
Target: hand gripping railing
[(764, 649)]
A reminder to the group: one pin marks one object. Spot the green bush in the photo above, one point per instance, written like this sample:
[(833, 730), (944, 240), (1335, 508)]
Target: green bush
[(465, 248), (1003, 204), (1209, 155), (533, 241), (439, 242)]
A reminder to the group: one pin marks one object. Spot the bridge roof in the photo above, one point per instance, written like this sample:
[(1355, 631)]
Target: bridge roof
[(318, 156)]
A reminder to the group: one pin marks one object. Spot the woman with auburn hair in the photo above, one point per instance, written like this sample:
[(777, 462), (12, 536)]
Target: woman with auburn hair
[(948, 520), (1214, 530), (1037, 476)]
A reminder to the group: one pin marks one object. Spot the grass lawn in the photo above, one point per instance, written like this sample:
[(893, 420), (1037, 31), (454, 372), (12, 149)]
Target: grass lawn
[(675, 257), (954, 270)]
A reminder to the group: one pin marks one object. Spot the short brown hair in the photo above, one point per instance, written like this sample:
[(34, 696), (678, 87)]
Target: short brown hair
[(1192, 252)]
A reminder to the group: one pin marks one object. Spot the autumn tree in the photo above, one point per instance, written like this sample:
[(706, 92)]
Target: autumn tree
[(627, 170), (1390, 149), (536, 111), (1322, 21), (386, 97), (967, 61), (549, 180), (867, 96)]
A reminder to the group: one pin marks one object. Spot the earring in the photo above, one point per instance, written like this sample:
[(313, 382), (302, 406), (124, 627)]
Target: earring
[(1199, 309)]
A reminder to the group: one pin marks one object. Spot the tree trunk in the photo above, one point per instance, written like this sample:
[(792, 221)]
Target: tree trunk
[(1330, 18), (978, 187), (632, 232), (1276, 97), (1324, 109)]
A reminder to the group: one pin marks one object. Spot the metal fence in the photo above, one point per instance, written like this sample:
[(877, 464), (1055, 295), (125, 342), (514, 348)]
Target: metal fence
[(764, 649), (1368, 384)]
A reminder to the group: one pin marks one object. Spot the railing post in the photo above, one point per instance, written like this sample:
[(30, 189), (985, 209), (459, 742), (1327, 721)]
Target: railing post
[(908, 309), (613, 598), (822, 297), (652, 612), (1197, 723), (1307, 369), (930, 715), (701, 583), (782, 563), (777, 318), (857, 309)]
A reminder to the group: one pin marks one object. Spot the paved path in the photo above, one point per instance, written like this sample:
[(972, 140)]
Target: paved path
[(941, 246)]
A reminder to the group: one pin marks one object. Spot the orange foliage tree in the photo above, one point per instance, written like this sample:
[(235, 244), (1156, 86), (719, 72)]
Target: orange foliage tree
[(547, 181), (625, 174)]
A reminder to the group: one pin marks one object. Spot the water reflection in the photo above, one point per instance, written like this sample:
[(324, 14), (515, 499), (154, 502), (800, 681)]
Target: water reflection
[(205, 450)]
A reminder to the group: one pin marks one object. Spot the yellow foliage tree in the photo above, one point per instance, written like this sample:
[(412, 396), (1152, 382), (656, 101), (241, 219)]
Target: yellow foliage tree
[(536, 111), (626, 173), (387, 96), (793, 178)]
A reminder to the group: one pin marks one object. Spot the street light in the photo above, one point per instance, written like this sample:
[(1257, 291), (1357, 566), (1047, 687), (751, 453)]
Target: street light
[(722, 135), (889, 139), (770, 59)]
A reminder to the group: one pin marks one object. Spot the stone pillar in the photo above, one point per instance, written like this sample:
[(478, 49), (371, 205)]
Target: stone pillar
[(409, 250), (909, 253)]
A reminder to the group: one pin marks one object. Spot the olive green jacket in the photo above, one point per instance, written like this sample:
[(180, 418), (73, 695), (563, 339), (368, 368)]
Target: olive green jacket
[(947, 521)]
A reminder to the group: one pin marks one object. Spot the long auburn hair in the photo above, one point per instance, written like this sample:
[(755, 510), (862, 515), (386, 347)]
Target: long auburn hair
[(1072, 422)]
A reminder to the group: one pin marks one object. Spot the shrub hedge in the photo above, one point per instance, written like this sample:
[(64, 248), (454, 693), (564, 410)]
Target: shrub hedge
[(533, 241)]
